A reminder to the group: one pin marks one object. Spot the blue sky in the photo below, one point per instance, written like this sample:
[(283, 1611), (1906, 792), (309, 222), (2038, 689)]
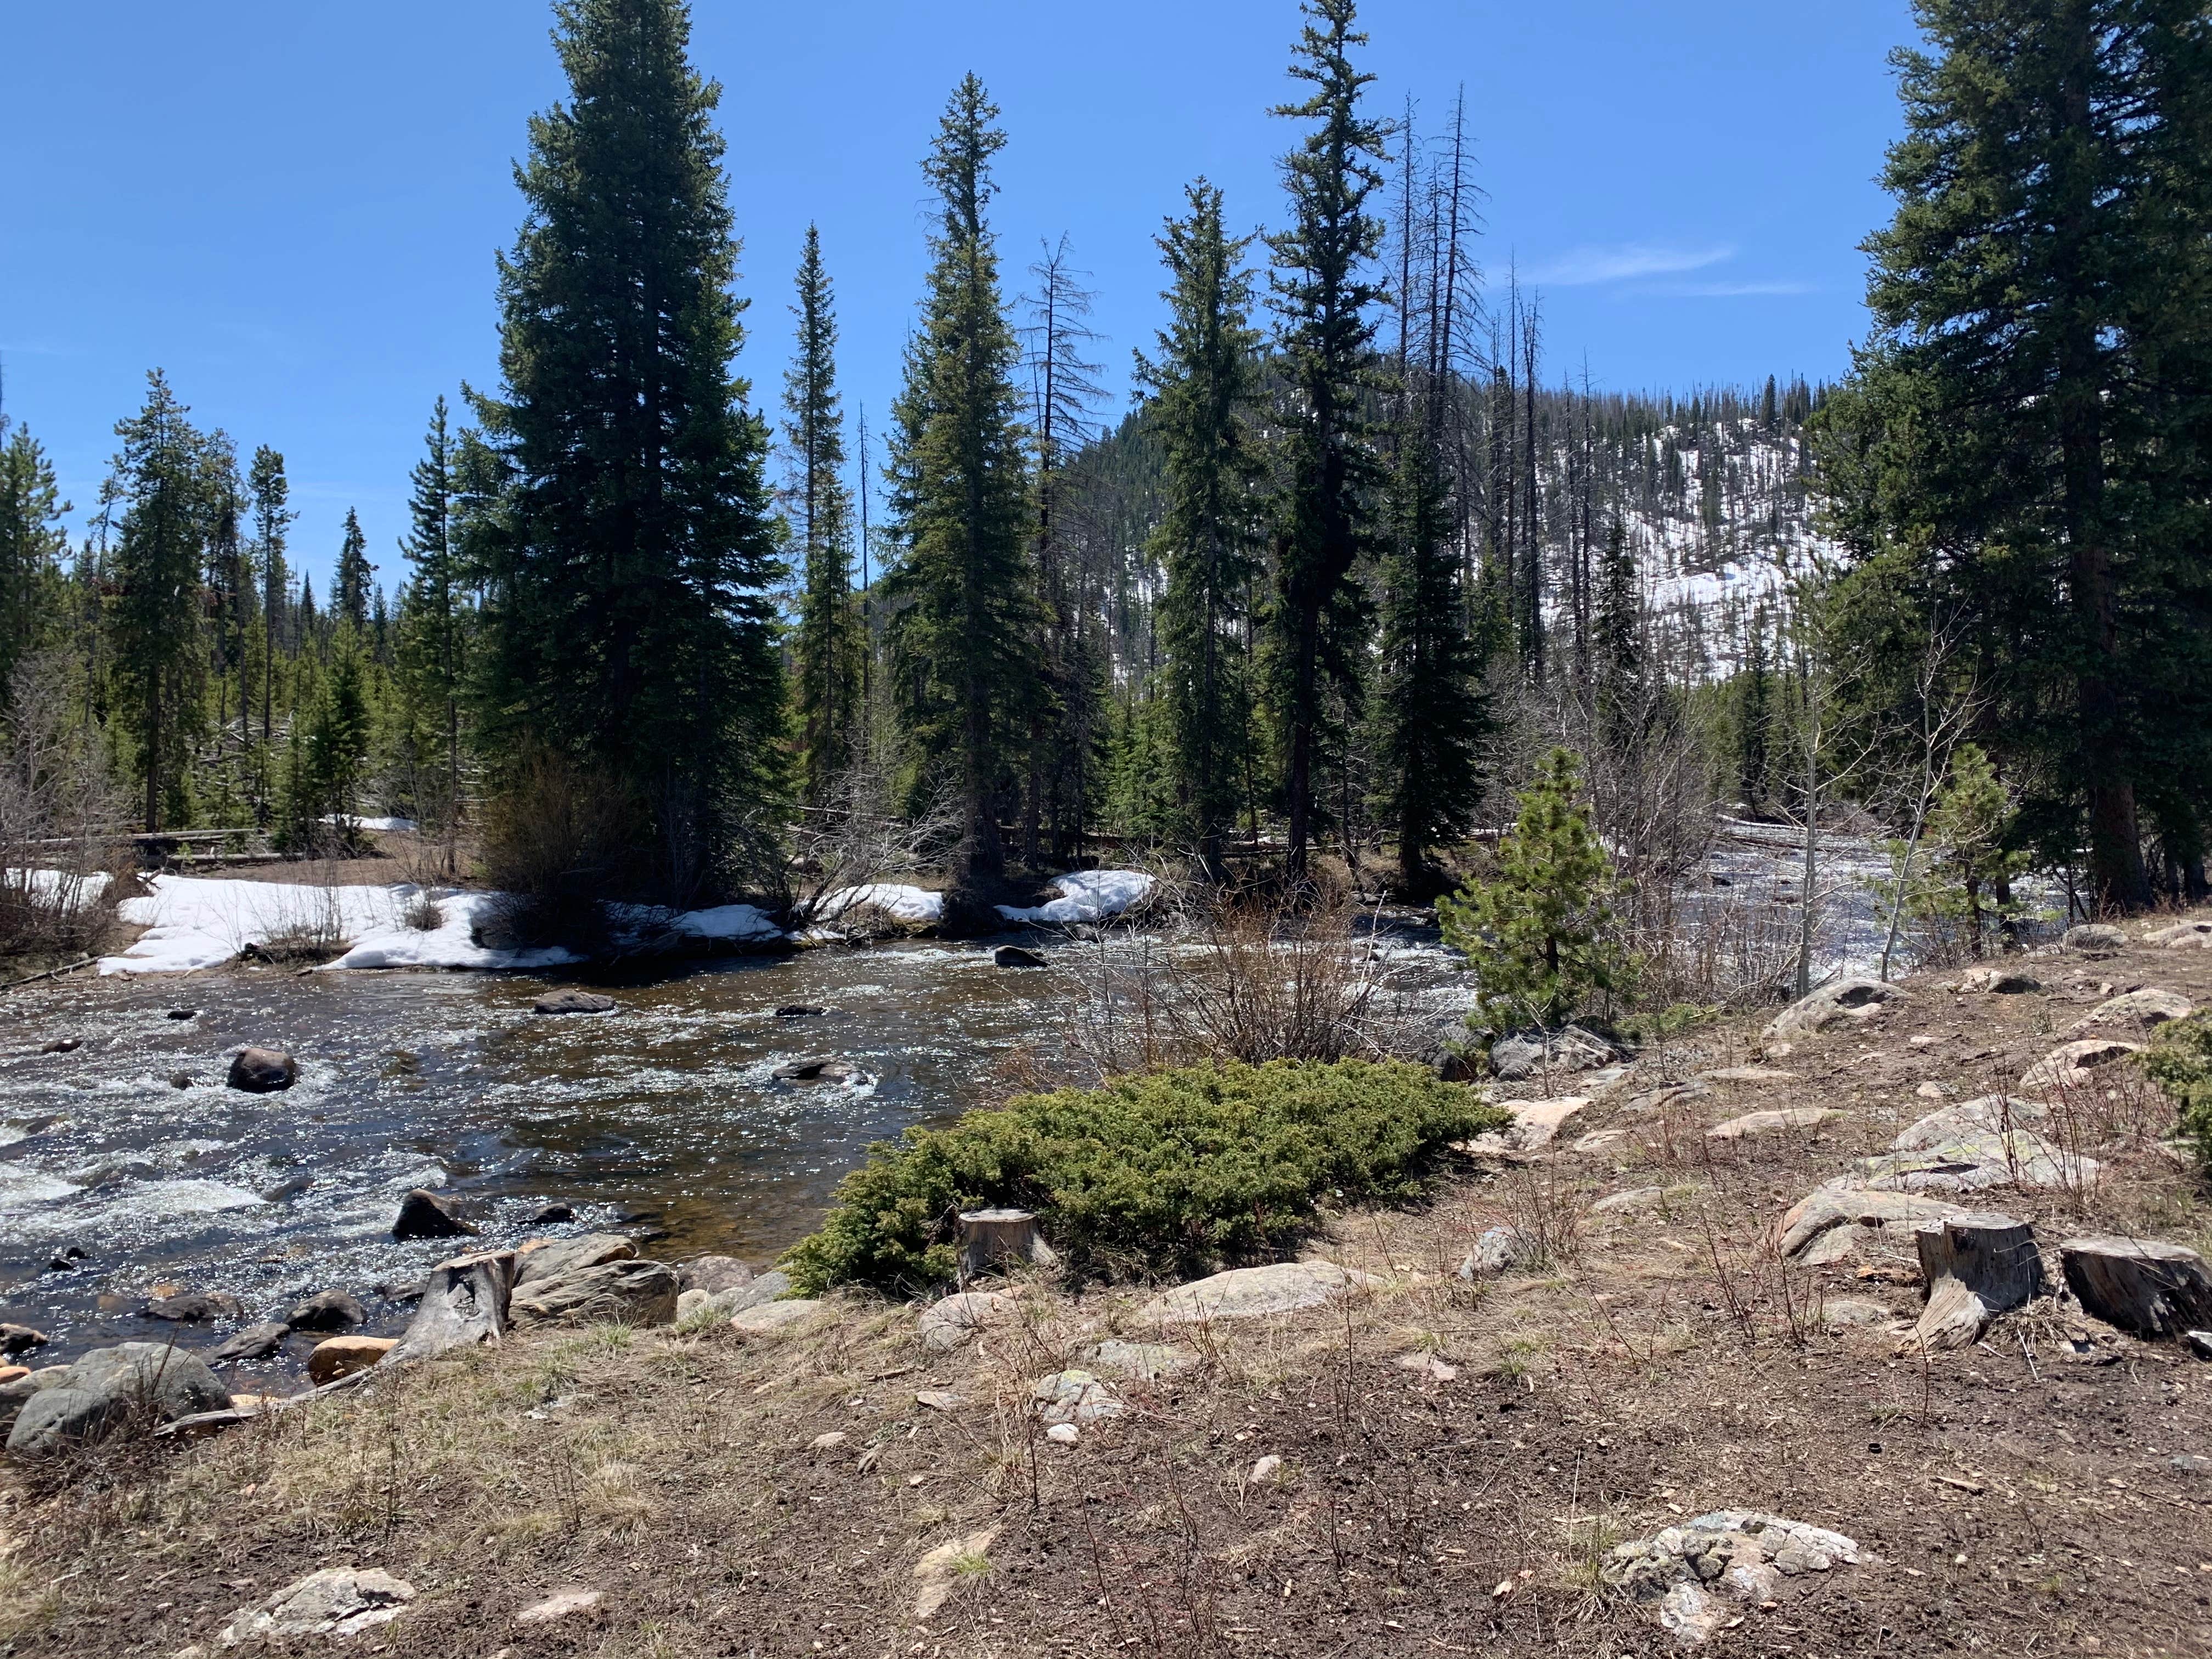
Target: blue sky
[(293, 208)]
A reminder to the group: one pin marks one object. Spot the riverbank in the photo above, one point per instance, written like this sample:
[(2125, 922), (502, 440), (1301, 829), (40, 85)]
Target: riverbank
[(1426, 1462)]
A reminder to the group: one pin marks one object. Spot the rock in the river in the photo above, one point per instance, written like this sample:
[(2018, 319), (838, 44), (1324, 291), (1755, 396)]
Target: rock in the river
[(1075, 1396), (20, 1340), (628, 1293), (254, 1342), (554, 1257), (184, 1013), (801, 1010), (1250, 1292), (817, 1068), (263, 1071), (425, 1214), (180, 1079), (574, 1002), (2095, 938), (2138, 1011), (109, 1388), (1859, 999), (63, 1046), (958, 1320), (326, 1310), (2069, 1067), (194, 1307), (1013, 956), (342, 1356), (2146, 1286), (549, 1215), (339, 1601)]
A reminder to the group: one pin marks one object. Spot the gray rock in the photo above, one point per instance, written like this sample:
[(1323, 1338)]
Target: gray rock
[(63, 1046), (733, 1298), (2190, 1463), (327, 1310), (2139, 1011), (1523, 1054), (958, 1320), (254, 1342), (1075, 1396), (625, 1293), (336, 1602), (425, 1214), (2095, 938), (801, 1010), (573, 1002), (1858, 999), (263, 1071), (549, 1215), (1013, 956), (774, 1315), (110, 1388), (715, 1274), (816, 1068), (17, 1340), (194, 1307), (1145, 1362), (1250, 1292), (1499, 1249), (566, 1256)]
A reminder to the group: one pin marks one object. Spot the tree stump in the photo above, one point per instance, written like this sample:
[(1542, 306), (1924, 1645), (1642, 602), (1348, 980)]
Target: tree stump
[(2145, 1286), (1976, 1267), (464, 1303), (988, 1236)]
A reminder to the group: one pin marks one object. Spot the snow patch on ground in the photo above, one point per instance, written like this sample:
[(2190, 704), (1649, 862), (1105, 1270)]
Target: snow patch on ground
[(385, 825), (894, 899), (1086, 895)]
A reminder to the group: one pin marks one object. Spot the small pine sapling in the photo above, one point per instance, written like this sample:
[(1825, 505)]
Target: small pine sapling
[(1539, 935)]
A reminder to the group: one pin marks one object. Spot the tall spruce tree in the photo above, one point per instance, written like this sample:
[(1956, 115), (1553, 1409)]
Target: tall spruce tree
[(31, 543), (432, 654), (350, 588), (963, 597), (1325, 302), (162, 496), (826, 645), (1211, 529), (272, 523), (2028, 434), (632, 630)]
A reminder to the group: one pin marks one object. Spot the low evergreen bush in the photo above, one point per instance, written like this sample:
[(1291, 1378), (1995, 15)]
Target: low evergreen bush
[(2180, 1062), (1155, 1176)]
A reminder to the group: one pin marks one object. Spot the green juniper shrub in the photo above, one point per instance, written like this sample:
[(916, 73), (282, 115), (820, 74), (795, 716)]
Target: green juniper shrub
[(2180, 1062), (1156, 1175)]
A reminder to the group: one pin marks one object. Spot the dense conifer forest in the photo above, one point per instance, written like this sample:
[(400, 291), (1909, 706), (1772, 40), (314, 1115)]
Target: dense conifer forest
[(1364, 550)]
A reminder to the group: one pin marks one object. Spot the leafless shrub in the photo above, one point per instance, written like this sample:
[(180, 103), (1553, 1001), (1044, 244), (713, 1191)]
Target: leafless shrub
[(309, 928), (1544, 1208), (858, 838), (557, 839), (57, 853)]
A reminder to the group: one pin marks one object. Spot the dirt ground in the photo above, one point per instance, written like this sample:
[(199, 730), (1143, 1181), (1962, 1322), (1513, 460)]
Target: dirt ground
[(2016, 1497)]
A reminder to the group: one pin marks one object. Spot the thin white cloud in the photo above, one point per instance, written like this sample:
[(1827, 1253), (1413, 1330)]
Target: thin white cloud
[(1623, 262), (1727, 290)]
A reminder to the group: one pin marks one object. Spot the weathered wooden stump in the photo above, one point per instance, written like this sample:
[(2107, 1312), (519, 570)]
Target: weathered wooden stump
[(989, 1237), (2145, 1286), (1976, 1267), (464, 1303)]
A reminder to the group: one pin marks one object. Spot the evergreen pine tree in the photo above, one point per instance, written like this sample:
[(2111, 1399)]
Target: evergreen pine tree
[(349, 592), (826, 645), (632, 630), (1209, 530), (1538, 934), (165, 484), (432, 651), (1754, 715), (2032, 417), (1325, 303), (31, 543), (965, 613), (272, 520)]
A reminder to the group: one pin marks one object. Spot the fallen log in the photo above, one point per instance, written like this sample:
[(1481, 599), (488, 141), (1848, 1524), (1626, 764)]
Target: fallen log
[(2145, 1286)]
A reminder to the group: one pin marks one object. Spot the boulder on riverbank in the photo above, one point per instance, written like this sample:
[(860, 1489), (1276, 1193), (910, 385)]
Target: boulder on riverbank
[(628, 1293), (109, 1390)]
